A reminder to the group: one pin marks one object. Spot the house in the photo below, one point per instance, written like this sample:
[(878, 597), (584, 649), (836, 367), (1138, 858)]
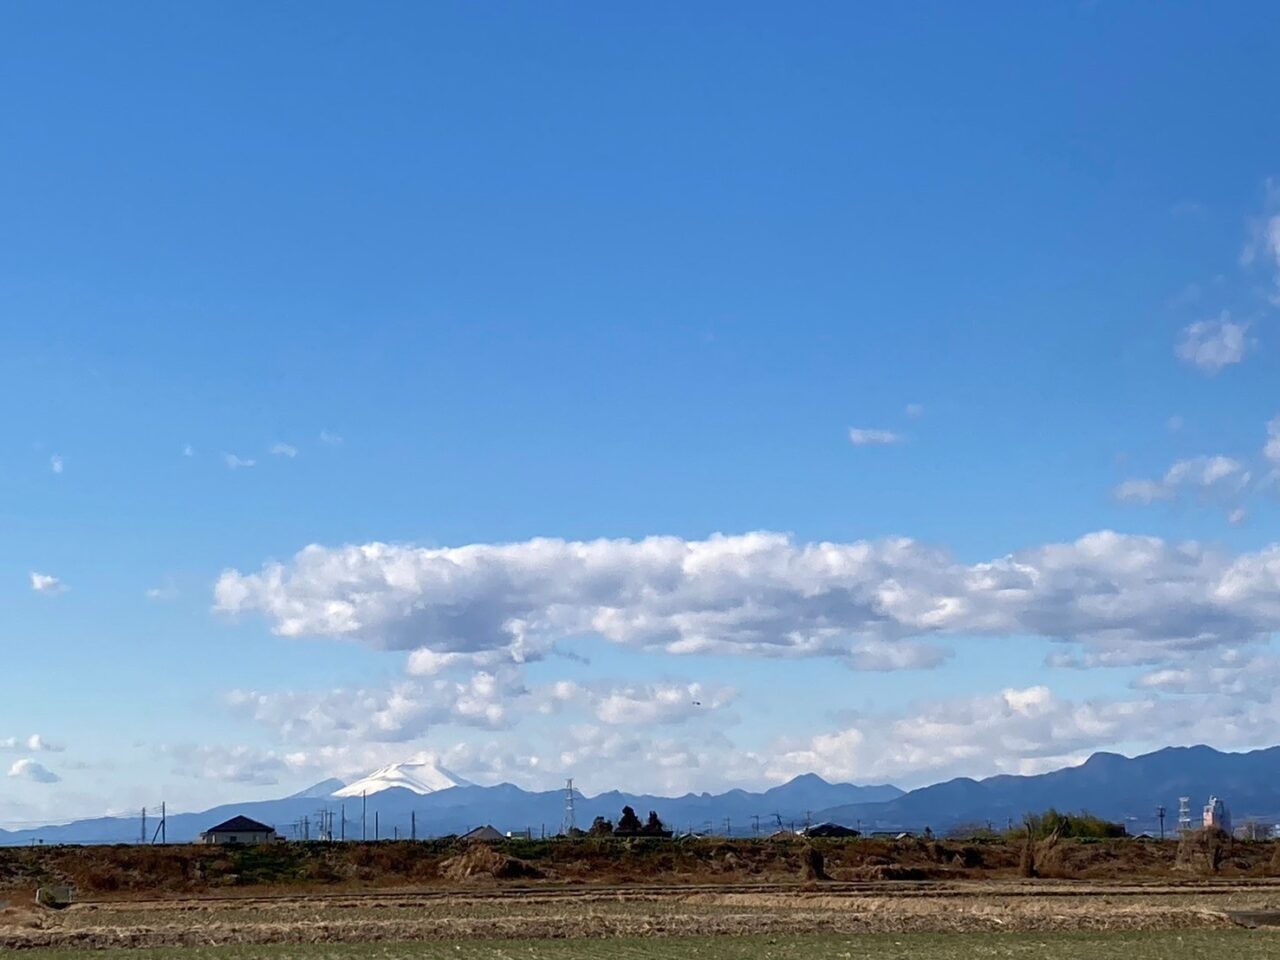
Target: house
[(239, 830), (831, 830), (485, 834)]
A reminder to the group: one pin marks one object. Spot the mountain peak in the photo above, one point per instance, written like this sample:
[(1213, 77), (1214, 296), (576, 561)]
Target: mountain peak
[(418, 776), (807, 778)]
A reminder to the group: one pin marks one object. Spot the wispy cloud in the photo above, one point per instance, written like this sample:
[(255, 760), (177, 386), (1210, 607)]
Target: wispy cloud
[(55, 463), (1212, 345), (283, 450), (915, 410), (237, 463), (46, 583), (330, 438), (188, 450), (1271, 450), (1263, 243), (167, 592), (1216, 477), (868, 437)]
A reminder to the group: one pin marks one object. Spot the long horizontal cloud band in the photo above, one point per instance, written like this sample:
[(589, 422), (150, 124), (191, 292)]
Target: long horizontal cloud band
[(1125, 598)]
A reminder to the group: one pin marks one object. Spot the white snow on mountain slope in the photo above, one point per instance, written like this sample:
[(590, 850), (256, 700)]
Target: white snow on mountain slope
[(418, 776)]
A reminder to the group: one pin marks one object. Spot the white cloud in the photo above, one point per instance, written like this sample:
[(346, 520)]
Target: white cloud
[(283, 450), (28, 769), (38, 744), (188, 450), (1212, 345), (404, 711), (1175, 423), (865, 437), (55, 463), (915, 410), (667, 702), (235, 462), (1126, 599), (167, 592), (330, 438), (1018, 731), (46, 583)]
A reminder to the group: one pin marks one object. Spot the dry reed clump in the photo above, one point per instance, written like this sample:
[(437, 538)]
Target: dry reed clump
[(1042, 858), (1202, 851), (480, 861), (1273, 868), (812, 864)]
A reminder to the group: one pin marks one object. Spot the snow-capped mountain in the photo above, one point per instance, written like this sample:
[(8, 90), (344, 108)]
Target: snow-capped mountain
[(421, 777)]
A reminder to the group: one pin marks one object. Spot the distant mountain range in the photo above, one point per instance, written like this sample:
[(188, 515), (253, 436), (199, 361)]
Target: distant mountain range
[(1120, 788), (397, 799)]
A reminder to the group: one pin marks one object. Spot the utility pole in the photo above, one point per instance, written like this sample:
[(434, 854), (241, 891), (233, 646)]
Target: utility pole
[(413, 824), (375, 824), (164, 824), (1160, 817), (364, 815), (144, 824), (728, 830), (755, 824), (343, 814)]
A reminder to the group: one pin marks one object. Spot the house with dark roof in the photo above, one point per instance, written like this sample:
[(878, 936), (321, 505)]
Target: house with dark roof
[(239, 830), (484, 834)]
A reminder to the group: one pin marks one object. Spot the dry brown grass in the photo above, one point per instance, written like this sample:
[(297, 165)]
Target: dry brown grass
[(493, 913)]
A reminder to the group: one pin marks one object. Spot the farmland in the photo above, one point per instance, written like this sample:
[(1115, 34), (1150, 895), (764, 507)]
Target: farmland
[(707, 899)]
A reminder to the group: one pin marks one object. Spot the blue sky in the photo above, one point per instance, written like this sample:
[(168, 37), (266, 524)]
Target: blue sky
[(483, 274)]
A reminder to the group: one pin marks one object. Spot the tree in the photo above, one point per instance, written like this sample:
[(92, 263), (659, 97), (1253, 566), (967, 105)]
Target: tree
[(1052, 822), (654, 827), (600, 827), (628, 824)]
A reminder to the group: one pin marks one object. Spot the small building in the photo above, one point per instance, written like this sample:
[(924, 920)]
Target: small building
[(239, 830), (1217, 816), (485, 834)]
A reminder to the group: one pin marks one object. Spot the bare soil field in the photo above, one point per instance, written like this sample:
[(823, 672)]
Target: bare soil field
[(1156, 945)]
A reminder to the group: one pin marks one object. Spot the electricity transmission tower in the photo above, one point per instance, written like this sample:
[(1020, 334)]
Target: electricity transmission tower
[(570, 818)]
